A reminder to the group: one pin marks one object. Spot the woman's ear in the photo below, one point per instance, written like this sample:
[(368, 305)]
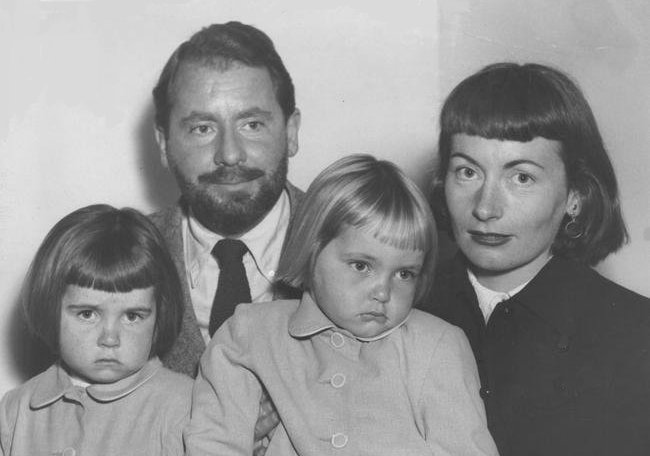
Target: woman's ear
[(573, 204)]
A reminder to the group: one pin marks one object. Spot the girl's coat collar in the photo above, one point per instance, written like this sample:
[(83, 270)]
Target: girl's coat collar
[(309, 320), (55, 383)]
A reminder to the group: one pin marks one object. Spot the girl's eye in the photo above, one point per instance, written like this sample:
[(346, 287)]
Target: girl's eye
[(359, 266), (405, 274), (132, 317), (86, 314)]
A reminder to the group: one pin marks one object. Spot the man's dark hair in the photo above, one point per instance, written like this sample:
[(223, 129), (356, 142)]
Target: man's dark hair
[(224, 44)]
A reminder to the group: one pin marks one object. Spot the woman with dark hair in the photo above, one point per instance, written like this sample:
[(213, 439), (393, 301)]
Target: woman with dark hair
[(528, 192)]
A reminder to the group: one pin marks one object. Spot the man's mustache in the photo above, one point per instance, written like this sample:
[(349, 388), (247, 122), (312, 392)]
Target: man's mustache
[(230, 175)]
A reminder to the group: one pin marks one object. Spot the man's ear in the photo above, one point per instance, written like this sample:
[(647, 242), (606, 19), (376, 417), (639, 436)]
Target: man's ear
[(293, 125), (161, 139)]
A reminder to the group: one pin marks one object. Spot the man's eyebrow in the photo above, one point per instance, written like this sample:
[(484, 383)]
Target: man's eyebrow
[(197, 115), (255, 112), (252, 112)]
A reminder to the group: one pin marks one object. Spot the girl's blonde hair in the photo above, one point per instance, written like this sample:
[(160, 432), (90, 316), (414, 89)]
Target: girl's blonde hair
[(362, 192)]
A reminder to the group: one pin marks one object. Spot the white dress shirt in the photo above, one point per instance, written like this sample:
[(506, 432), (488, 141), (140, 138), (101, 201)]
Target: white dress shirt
[(264, 244)]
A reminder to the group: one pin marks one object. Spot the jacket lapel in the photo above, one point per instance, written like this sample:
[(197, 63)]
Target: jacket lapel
[(186, 352)]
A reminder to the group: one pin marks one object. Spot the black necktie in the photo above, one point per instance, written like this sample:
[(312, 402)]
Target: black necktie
[(232, 288)]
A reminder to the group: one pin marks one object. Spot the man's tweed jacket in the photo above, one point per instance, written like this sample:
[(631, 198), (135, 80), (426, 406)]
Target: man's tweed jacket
[(186, 352)]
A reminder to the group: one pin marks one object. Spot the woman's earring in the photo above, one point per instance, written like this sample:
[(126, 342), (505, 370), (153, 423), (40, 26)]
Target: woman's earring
[(572, 229)]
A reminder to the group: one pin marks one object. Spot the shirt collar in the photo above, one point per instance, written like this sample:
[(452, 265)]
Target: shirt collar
[(268, 235), (56, 383), (260, 240), (309, 320), (552, 294), (488, 298)]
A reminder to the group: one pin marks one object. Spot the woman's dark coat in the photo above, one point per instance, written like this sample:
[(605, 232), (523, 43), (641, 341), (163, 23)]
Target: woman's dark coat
[(564, 364)]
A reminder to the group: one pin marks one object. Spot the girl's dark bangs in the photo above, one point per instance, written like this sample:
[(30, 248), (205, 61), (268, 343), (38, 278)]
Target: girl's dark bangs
[(113, 268)]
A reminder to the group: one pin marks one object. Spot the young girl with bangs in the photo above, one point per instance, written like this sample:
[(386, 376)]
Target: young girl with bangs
[(103, 294), (351, 367)]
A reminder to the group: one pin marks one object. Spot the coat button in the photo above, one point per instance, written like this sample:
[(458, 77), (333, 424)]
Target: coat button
[(563, 343), (337, 340), (485, 392), (507, 310), (339, 440), (338, 380)]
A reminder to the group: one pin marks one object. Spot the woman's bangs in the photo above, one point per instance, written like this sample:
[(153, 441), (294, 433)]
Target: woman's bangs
[(508, 112)]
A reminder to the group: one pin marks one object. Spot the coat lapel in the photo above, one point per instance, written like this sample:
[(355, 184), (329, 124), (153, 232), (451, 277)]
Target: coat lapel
[(186, 352)]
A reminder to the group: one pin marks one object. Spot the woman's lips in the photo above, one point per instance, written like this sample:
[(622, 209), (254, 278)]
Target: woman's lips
[(489, 239)]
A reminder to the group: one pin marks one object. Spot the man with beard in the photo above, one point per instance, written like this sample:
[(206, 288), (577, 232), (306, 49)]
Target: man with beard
[(226, 124)]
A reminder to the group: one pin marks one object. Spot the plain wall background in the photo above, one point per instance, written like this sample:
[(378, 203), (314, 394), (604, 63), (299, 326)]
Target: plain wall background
[(76, 116)]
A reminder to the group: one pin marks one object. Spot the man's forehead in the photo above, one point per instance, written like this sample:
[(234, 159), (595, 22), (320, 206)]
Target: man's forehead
[(219, 64), (194, 76), (215, 65)]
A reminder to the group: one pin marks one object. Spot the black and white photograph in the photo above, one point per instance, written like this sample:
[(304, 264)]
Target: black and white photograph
[(306, 228)]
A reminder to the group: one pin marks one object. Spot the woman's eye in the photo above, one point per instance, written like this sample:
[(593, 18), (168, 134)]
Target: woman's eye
[(465, 173), (523, 178), (359, 266)]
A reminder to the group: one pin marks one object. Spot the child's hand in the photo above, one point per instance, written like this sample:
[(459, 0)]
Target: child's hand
[(267, 421)]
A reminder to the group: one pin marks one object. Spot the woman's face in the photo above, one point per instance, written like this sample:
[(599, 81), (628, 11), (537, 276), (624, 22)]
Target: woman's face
[(506, 200)]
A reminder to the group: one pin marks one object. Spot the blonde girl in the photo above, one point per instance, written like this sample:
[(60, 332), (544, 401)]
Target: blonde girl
[(351, 367)]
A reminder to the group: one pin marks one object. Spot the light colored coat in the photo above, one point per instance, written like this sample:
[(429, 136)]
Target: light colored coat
[(412, 392), (140, 416)]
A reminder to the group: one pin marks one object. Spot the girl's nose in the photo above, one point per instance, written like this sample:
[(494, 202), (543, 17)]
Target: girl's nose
[(488, 202), (381, 290), (109, 336)]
